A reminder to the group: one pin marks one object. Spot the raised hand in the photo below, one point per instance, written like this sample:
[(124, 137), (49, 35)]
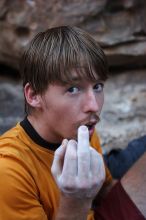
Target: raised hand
[(78, 168)]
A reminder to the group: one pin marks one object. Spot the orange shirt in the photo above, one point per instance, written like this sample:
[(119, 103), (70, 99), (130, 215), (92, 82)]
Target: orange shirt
[(27, 188)]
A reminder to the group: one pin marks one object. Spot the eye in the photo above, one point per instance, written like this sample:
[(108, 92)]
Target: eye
[(73, 90), (98, 87)]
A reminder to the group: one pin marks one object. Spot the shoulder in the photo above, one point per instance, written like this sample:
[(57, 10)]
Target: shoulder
[(11, 143), (15, 156), (95, 142)]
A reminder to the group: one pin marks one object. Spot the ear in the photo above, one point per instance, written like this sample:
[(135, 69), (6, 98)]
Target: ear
[(31, 97)]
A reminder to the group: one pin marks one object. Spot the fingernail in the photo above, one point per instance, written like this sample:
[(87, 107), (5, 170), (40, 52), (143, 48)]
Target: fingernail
[(83, 128)]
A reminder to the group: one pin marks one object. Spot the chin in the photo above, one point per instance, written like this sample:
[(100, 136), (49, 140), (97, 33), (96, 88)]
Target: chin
[(71, 136)]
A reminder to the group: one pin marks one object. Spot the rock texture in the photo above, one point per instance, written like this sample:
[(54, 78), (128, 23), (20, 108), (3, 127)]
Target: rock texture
[(11, 103), (119, 26), (124, 113)]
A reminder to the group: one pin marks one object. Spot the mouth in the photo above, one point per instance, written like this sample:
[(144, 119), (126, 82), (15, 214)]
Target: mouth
[(91, 127), (91, 124)]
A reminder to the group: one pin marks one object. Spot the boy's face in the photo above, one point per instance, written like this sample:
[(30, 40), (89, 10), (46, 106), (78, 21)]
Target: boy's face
[(66, 107)]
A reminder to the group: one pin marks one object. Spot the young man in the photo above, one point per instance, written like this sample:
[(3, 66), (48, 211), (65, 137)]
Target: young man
[(63, 72)]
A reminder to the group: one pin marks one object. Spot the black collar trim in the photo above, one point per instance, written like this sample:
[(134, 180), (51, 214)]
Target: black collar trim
[(36, 137)]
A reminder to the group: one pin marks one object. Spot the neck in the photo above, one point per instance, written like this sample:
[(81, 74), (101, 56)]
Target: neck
[(43, 129)]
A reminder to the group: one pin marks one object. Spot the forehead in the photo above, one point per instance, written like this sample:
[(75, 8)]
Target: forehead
[(79, 75)]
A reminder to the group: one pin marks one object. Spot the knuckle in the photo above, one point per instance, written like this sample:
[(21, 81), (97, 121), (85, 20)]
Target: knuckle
[(84, 185), (72, 142), (100, 158), (67, 185), (95, 152), (98, 180), (71, 150), (95, 181)]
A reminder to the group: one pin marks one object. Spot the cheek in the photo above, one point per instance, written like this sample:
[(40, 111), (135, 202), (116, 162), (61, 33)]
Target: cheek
[(101, 101), (65, 111), (62, 113)]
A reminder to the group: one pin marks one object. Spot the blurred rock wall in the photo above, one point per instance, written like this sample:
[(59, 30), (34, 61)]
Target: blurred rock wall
[(119, 26)]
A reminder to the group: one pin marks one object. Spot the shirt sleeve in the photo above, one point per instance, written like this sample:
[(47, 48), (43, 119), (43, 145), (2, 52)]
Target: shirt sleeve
[(18, 192)]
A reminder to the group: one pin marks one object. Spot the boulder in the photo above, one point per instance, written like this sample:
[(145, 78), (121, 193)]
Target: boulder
[(119, 26)]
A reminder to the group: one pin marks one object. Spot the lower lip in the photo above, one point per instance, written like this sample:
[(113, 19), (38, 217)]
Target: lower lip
[(91, 131)]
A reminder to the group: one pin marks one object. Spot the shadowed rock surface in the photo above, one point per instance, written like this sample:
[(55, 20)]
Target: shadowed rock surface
[(11, 103), (119, 26)]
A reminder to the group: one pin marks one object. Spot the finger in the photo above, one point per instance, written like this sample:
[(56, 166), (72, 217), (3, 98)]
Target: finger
[(83, 152), (58, 161), (83, 139), (70, 161), (97, 167)]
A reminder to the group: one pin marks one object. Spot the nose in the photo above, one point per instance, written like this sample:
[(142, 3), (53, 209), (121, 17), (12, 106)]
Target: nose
[(93, 102)]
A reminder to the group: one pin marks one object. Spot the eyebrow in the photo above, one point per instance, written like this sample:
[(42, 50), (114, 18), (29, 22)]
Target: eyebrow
[(76, 78)]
